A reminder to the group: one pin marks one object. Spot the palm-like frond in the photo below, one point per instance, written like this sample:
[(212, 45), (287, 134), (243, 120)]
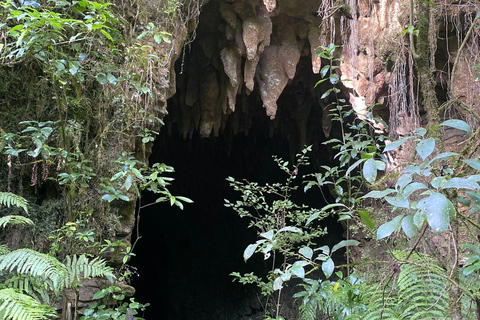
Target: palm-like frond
[(32, 286), (10, 199), (15, 305), (14, 219)]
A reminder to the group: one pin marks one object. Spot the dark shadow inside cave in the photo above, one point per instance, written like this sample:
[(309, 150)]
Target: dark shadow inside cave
[(184, 258)]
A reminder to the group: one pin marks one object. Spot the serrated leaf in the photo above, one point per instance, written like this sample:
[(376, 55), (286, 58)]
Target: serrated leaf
[(366, 219), (390, 227), (249, 251), (395, 144), (474, 163), (457, 124), (345, 243), (408, 226), (378, 194), (425, 147), (328, 267), (461, 183), (307, 252)]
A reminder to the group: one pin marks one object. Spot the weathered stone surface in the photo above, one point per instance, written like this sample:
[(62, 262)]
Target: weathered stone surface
[(208, 101)]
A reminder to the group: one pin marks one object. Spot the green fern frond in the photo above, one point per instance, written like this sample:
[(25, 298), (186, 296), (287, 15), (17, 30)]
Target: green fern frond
[(15, 305), (81, 267), (10, 199), (36, 264), (308, 309), (31, 286), (14, 219), (4, 249)]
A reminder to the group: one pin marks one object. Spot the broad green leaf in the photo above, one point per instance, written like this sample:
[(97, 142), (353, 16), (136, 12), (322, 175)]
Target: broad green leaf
[(412, 187), (111, 78), (366, 219), (249, 251), (419, 218), (325, 208), (425, 147), (461, 183), (345, 243), (438, 182), (278, 284), (328, 267), (474, 163), (298, 271), (457, 124), (307, 252), (404, 180), (395, 144), (267, 235), (378, 194), (370, 169), (324, 70), (409, 226), (184, 199), (421, 131), (438, 210), (398, 201), (334, 78), (102, 78), (388, 228)]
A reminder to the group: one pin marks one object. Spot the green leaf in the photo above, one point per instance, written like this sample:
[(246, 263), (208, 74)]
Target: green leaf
[(307, 252), (106, 34), (474, 163), (378, 194), (267, 235), (421, 131), (324, 70), (461, 183), (438, 210), (366, 219), (102, 78), (353, 166), (111, 78), (334, 78), (345, 243), (419, 218), (395, 144), (298, 271), (457, 124), (388, 228), (409, 226), (412, 187), (425, 147), (399, 201), (438, 182), (370, 169), (249, 251), (277, 284), (328, 267), (290, 229), (184, 199)]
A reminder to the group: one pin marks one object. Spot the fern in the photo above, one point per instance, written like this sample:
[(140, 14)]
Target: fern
[(419, 292), (80, 267), (34, 287), (36, 264), (10, 199), (15, 305), (14, 219), (4, 249)]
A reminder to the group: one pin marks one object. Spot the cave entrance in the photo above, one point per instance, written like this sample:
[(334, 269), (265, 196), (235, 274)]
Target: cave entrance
[(215, 130)]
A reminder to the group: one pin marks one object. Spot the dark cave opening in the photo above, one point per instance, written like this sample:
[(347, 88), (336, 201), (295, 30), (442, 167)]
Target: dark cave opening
[(184, 258)]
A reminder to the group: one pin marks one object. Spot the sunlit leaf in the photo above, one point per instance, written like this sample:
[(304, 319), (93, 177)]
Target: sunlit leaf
[(425, 147), (461, 183), (409, 227), (345, 243), (390, 227), (457, 124), (395, 144), (249, 251), (438, 210), (474, 163), (366, 219), (307, 252), (328, 267)]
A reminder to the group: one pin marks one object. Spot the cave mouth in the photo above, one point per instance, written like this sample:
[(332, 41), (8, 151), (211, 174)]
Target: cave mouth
[(184, 258)]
